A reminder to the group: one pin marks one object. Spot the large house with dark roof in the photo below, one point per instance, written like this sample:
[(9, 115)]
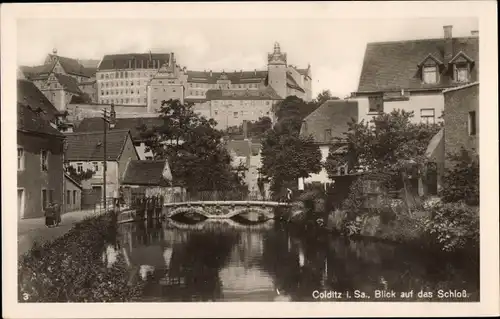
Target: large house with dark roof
[(39, 157), (133, 124), (61, 79), (85, 150), (412, 74), (327, 125)]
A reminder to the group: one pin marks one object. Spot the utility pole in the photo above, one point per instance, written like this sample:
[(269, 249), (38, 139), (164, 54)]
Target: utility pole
[(106, 121)]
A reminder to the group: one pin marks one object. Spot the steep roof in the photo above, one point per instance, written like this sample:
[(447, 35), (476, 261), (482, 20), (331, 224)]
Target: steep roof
[(236, 77), (29, 119), (87, 146), (263, 94), (394, 65), (133, 123), (291, 83), (146, 173), (29, 94), (332, 115), (38, 71), (135, 60), (72, 66), (69, 83)]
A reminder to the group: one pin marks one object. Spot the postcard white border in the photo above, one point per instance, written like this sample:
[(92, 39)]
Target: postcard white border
[(484, 10)]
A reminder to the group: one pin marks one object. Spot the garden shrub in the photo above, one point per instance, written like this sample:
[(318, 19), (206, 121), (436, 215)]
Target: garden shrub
[(454, 226), (70, 269)]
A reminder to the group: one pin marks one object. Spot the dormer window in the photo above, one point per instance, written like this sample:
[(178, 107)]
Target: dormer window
[(429, 74), (461, 72)]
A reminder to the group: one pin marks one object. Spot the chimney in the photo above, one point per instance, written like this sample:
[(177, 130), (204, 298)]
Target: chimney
[(245, 129), (112, 116), (448, 45), (474, 33)]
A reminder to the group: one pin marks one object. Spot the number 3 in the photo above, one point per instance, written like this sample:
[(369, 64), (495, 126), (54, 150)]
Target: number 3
[(25, 296)]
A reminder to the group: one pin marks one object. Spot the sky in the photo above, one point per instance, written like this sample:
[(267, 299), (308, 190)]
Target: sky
[(334, 47)]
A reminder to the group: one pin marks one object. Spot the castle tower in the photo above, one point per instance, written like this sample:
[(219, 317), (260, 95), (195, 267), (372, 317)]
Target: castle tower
[(164, 85), (276, 66)]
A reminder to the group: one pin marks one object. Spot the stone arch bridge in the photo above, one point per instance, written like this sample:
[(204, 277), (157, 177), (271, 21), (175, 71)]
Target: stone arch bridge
[(222, 209)]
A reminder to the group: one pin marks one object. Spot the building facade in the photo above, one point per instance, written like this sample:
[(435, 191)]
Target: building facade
[(175, 82), (232, 107), (461, 119), (39, 162), (326, 125), (411, 75), (73, 194), (86, 152), (61, 79), (123, 78)]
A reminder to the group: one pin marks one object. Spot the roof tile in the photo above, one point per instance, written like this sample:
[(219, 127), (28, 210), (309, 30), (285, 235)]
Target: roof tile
[(87, 146)]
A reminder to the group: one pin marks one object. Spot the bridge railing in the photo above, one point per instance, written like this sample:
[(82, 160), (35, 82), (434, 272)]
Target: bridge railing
[(234, 195)]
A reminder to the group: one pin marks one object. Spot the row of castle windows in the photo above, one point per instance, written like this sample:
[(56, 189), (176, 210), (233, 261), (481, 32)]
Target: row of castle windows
[(123, 101), (117, 92), (126, 74)]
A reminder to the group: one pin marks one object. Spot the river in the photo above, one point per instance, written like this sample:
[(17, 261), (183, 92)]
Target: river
[(226, 261)]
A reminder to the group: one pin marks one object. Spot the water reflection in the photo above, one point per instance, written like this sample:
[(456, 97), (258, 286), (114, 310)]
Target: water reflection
[(223, 261)]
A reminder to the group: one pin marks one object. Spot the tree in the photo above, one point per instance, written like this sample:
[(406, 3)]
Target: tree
[(292, 111), (79, 176), (461, 182), (324, 96), (194, 148), (390, 143)]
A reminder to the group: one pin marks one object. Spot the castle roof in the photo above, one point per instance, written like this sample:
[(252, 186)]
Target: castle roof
[(395, 65), (236, 77), (263, 94), (133, 60)]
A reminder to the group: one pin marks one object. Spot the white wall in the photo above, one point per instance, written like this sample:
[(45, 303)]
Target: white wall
[(112, 178), (322, 176), (141, 151), (415, 104)]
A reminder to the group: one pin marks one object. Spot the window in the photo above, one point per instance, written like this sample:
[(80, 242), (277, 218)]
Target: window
[(79, 167), (44, 198), (472, 123), (96, 166), (68, 197), (461, 73), (74, 197), (375, 104), (216, 112), (155, 101), (429, 74), (149, 158), (20, 158), (235, 114), (44, 160), (427, 116), (328, 135)]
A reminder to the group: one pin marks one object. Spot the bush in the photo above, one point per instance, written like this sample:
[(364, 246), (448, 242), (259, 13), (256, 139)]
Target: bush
[(71, 268), (454, 226), (461, 182)]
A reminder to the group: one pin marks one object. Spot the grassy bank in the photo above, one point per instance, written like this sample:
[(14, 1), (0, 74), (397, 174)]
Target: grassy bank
[(74, 267)]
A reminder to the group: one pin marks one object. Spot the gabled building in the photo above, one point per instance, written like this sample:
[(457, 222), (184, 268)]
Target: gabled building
[(151, 177), (233, 107), (29, 94), (327, 125), (62, 78), (40, 171), (133, 124), (85, 150), (412, 74)]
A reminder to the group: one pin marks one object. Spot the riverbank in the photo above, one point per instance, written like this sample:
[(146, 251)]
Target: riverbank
[(77, 267), (451, 227)]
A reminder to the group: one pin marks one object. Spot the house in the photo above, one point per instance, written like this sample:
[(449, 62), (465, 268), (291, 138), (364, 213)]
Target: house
[(460, 131), (39, 159), (151, 178), (326, 125), (85, 151), (73, 193), (29, 94), (247, 153), (412, 74), (133, 124), (62, 78)]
